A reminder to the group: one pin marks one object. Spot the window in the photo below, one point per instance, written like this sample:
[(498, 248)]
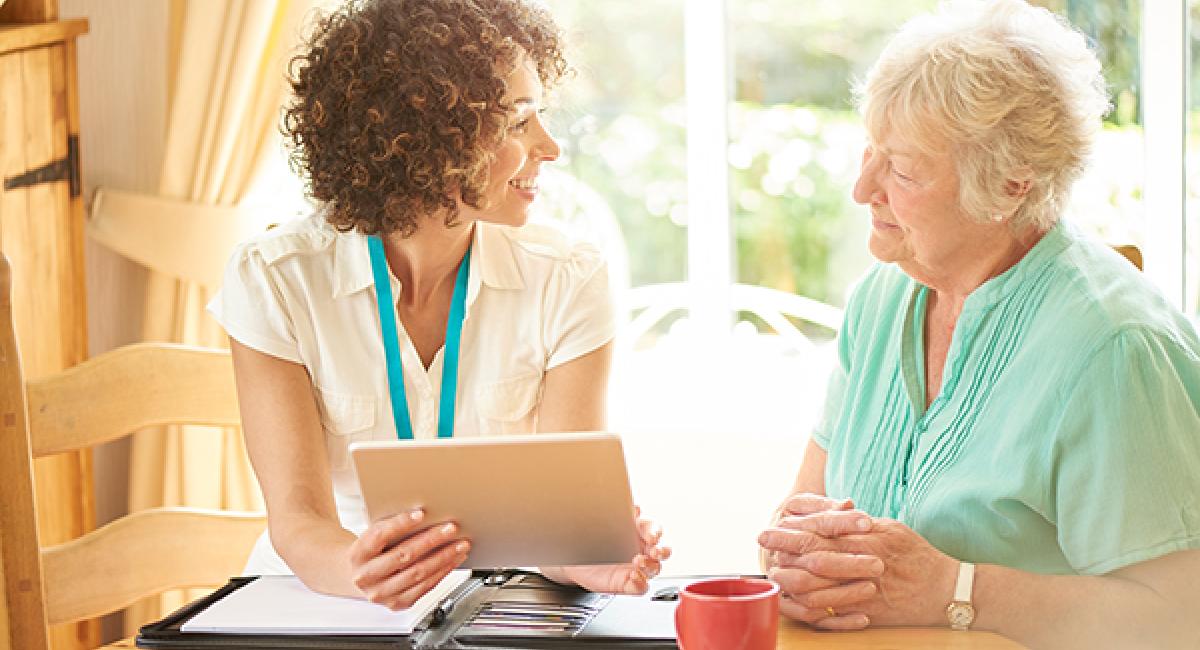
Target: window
[(721, 140), (1163, 90), (709, 149), (621, 124)]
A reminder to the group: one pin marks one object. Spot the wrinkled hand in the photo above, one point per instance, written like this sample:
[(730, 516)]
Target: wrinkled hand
[(883, 574), (398, 559), (632, 578), (798, 505), (793, 553)]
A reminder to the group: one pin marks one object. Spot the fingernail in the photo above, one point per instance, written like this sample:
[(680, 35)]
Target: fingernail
[(448, 529), (762, 538), (863, 524), (417, 514), (462, 547), (877, 567)]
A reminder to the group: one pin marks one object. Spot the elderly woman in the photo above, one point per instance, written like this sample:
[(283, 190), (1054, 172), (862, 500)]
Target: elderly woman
[(412, 303), (1016, 412)]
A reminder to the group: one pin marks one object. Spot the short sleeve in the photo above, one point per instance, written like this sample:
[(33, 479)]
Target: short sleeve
[(1127, 460), (579, 307), (835, 395), (835, 390), (251, 308)]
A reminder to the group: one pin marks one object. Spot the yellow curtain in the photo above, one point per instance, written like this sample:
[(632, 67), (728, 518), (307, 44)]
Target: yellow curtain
[(226, 85)]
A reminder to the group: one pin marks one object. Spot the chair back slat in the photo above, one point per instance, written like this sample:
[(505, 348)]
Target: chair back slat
[(140, 555), (161, 383)]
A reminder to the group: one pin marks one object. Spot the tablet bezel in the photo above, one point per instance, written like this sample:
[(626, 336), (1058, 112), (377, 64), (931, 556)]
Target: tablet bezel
[(523, 500)]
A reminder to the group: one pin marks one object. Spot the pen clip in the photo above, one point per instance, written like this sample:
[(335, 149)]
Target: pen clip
[(445, 608)]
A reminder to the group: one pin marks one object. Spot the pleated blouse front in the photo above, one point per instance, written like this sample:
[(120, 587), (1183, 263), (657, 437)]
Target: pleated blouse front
[(1065, 437)]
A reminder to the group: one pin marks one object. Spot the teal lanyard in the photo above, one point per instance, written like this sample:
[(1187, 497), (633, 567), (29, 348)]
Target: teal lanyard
[(391, 343)]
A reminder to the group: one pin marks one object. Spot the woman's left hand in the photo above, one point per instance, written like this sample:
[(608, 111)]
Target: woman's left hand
[(631, 578), (916, 583)]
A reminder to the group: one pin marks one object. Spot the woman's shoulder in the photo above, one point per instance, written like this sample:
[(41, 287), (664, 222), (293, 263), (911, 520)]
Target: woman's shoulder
[(1094, 282), (876, 305), (882, 284), (543, 250), (308, 255), (1097, 298), (307, 236)]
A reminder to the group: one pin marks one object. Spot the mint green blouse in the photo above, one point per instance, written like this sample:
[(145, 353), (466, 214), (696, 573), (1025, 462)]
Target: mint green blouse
[(1066, 436)]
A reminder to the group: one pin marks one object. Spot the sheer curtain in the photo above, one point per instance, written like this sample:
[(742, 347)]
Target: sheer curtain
[(225, 87)]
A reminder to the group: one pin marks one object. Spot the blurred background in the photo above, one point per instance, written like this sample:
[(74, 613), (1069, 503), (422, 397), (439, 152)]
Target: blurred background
[(709, 149)]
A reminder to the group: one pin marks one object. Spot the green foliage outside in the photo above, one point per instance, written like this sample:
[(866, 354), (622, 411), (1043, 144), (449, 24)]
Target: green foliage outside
[(795, 139), (792, 171)]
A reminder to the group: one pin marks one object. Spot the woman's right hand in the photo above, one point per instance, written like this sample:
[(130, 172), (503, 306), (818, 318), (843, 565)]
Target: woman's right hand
[(807, 503), (799, 505), (820, 585), (399, 559)]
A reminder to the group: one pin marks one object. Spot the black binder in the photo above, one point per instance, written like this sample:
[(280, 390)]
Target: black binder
[(465, 620)]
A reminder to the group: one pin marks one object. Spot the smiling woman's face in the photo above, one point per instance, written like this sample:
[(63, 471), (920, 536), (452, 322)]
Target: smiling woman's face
[(513, 175), (913, 196)]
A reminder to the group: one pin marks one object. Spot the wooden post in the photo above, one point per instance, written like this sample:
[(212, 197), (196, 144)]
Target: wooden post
[(22, 566), (41, 231)]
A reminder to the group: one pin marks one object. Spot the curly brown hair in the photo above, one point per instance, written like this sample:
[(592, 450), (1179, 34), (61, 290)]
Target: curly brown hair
[(399, 104)]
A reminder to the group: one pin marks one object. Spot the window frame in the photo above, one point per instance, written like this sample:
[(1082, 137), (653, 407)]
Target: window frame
[(1164, 56), (1164, 92)]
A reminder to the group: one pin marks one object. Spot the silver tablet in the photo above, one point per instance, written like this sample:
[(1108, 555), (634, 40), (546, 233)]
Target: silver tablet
[(535, 500)]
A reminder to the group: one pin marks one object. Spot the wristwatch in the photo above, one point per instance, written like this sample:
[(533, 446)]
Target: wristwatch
[(960, 611)]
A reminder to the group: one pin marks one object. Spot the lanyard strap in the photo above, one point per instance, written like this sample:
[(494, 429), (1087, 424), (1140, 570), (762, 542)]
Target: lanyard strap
[(391, 345)]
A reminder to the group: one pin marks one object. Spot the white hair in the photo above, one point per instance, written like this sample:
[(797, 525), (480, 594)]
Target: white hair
[(1011, 91)]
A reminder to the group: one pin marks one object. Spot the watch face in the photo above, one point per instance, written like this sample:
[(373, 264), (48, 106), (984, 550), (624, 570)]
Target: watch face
[(960, 614)]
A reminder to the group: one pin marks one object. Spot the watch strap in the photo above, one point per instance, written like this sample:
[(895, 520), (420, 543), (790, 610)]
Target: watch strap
[(965, 582)]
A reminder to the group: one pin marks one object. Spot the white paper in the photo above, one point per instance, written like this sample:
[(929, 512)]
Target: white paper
[(283, 605)]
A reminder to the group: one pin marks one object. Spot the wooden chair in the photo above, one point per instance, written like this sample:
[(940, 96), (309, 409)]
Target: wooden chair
[(138, 555), (1131, 253)]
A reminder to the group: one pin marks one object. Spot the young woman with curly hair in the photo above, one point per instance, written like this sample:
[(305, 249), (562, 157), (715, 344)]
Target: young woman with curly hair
[(416, 125)]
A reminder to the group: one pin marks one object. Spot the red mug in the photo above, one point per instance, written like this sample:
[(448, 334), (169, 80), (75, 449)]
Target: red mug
[(728, 614)]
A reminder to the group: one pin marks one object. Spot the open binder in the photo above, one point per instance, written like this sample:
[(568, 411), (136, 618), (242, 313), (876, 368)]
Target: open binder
[(479, 614)]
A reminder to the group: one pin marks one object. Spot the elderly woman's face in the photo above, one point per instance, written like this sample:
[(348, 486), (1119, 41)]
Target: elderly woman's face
[(915, 214), (514, 171)]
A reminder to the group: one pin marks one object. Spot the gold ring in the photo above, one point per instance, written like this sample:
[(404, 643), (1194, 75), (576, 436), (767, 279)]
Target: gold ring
[(829, 610)]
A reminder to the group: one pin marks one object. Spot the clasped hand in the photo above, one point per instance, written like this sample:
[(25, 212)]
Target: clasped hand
[(399, 559), (841, 569)]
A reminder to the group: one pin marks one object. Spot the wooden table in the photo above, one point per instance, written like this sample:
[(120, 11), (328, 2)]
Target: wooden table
[(794, 636)]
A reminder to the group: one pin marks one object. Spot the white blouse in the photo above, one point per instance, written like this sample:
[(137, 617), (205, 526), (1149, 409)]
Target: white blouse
[(304, 292)]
